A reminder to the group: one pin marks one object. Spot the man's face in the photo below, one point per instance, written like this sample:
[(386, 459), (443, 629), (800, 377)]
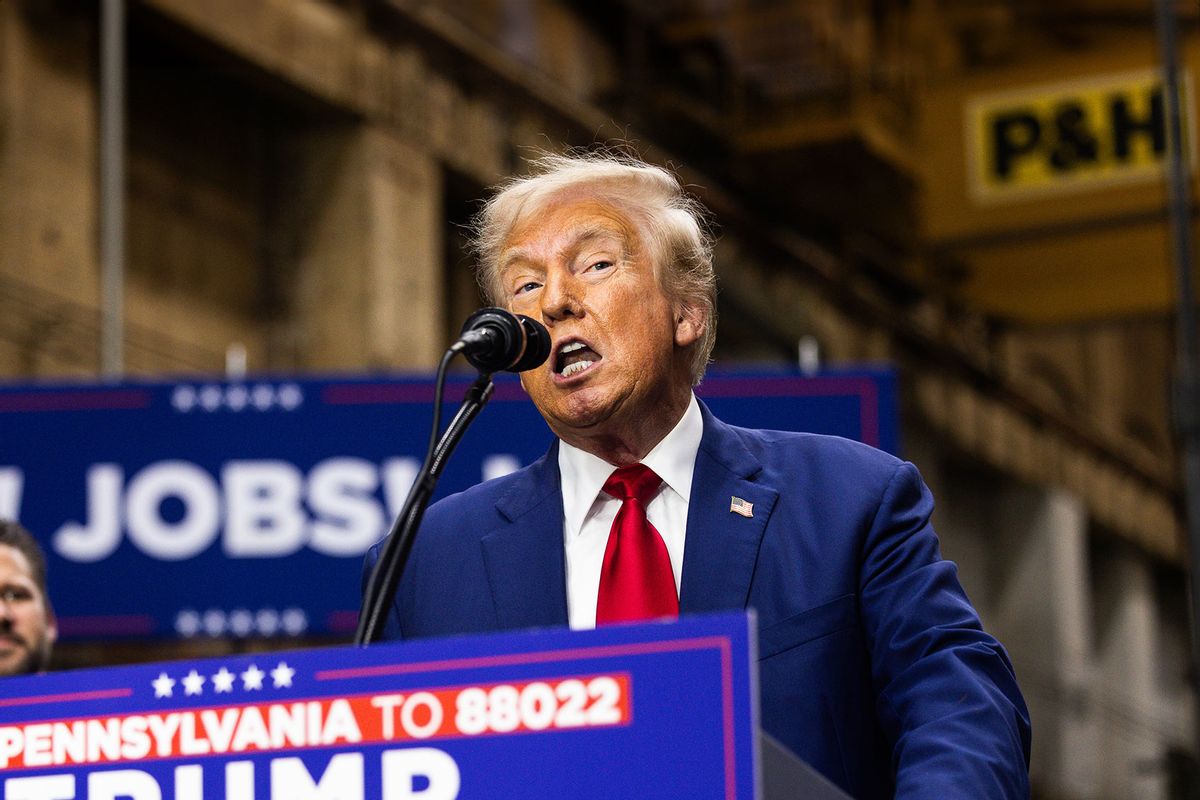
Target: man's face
[(582, 268), (27, 630)]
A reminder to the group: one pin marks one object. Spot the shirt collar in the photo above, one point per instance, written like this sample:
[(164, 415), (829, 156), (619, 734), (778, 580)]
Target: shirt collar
[(673, 459)]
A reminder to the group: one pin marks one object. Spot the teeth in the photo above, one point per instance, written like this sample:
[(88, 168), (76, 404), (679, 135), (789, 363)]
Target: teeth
[(571, 348), (578, 366)]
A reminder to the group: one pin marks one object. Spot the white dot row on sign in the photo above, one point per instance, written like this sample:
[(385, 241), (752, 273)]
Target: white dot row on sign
[(241, 622), (259, 397), (223, 681)]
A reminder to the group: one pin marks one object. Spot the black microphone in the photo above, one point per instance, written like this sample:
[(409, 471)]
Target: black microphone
[(537, 345), (494, 339)]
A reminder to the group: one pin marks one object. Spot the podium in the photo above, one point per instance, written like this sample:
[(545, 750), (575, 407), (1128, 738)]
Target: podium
[(664, 710)]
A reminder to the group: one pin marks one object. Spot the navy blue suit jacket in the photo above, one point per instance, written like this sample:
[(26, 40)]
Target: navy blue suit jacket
[(873, 665)]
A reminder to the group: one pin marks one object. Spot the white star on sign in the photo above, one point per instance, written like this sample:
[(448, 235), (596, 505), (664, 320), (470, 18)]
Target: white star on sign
[(223, 681), (290, 396), (262, 396), (210, 398), (267, 621), (282, 675), (187, 623), (163, 686), (193, 683), (294, 621), (236, 397), (241, 622), (183, 398), (252, 678)]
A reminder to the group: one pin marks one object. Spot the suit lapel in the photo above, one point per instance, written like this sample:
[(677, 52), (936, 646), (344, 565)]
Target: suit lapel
[(524, 557), (722, 546)]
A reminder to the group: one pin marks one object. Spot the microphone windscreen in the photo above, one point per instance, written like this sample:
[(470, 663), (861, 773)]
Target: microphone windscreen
[(494, 339), (537, 345)]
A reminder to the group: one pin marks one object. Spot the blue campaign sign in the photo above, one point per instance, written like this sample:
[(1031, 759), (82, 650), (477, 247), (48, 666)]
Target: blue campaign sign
[(658, 710), (244, 508)]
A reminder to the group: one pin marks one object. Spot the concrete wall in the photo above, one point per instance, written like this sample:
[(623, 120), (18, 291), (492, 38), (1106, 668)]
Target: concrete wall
[(48, 190)]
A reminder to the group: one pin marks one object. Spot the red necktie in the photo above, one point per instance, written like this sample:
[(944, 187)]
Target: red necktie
[(636, 581)]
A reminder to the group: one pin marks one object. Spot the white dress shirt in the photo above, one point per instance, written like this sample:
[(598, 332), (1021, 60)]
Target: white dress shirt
[(588, 512)]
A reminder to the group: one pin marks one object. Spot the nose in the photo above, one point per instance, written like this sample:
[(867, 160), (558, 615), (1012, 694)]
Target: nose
[(560, 297)]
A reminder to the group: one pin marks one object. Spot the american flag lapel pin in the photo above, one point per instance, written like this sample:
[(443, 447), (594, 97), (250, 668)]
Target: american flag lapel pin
[(739, 506)]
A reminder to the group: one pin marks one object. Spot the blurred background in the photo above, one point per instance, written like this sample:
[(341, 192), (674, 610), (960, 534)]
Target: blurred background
[(970, 192)]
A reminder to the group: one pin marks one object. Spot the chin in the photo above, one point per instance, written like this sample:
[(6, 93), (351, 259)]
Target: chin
[(15, 666), (582, 410)]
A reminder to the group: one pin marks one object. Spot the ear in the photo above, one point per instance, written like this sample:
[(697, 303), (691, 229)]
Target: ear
[(689, 324)]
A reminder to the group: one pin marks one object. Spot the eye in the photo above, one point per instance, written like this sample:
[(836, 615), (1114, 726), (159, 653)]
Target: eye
[(15, 595), (600, 266), (526, 287)]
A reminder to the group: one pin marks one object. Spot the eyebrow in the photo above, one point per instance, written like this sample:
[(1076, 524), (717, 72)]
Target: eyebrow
[(581, 238)]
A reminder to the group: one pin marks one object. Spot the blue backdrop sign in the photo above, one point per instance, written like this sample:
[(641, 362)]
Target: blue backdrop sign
[(244, 508)]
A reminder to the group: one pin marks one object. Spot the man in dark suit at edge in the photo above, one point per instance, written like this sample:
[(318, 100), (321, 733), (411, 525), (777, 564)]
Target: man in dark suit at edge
[(874, 667)]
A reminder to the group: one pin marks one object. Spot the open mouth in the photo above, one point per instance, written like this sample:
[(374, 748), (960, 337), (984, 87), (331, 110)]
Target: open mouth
[(574, 357)]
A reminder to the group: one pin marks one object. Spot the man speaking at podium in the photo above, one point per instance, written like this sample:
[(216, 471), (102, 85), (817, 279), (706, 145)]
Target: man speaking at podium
[(873, 665)]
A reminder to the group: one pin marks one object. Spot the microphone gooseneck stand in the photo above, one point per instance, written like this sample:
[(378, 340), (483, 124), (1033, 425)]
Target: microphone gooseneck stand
[(385, 578), (493, 339)]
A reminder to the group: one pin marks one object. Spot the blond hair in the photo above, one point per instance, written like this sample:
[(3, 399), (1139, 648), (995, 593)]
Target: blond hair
[(673, 222)]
